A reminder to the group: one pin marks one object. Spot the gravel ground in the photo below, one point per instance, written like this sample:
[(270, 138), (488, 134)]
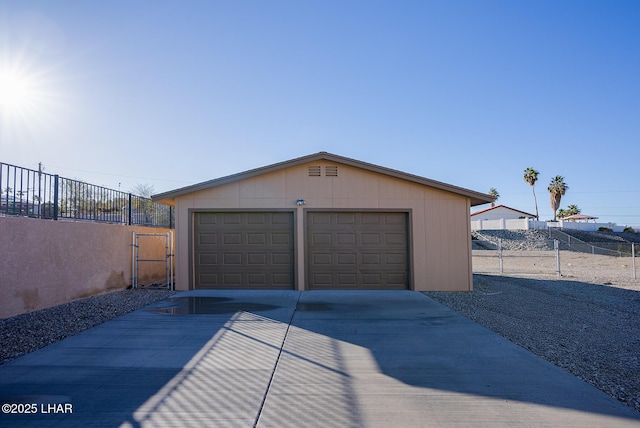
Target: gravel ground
[(590, 330), (519, 240), (26, 333)]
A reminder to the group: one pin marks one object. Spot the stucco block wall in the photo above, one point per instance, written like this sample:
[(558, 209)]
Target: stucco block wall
[(46, 263), (439, 229)]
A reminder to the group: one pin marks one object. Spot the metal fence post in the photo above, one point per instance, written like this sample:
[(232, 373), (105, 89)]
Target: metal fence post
[(130, 220), (500, 254), (56, 182), (134, 277), (633, 260), (556, 246), (171, 245)]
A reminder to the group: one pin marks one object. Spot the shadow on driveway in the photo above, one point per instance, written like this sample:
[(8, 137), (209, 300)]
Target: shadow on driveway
[(284, 358)]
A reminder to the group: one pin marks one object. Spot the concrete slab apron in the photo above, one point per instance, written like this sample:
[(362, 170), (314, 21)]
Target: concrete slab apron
[(380, 359), (158, 369)]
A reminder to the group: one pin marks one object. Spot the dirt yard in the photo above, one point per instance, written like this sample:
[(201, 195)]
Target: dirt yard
[(595, 269)]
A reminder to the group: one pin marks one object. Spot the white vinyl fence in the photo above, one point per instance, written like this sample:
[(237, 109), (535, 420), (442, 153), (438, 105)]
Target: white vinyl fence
[(528, 224)]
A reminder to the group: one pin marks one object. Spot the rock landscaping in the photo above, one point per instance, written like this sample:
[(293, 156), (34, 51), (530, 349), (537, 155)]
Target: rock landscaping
[(28, 332)]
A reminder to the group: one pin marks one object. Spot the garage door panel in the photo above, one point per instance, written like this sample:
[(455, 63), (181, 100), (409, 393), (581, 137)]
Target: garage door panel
[(347, 259), (208, 259), (231, 218), (371, 259), (370, 238), (323, 279), (210, 279), (232, 279), (396, 259), (256, 238), (257, 259), (246, 280), (346, 239), (256, 218), (321, 238), (281, 238), (321, 218), (372, 279), (396, 279), (345, 218), (283, 280), (395, 239), (395, 218), (357, 250), (285, 259), (254, 279), (321, 259), (207, 239), (243, 250), (231, 259), (371, 218), (232, 238), (347, 279), (281, 218), (206, 218)]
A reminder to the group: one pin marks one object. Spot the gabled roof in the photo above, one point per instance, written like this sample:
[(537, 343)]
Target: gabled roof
[(502, 206), (477, 198)]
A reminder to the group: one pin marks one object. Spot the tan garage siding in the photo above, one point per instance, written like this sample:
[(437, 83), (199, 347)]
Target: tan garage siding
[(439, 251), (448, 240)]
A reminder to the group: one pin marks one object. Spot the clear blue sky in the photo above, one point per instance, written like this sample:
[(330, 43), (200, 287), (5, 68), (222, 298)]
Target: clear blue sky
[(172, 93)]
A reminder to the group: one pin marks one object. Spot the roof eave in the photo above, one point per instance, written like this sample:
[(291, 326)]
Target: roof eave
[(502, 206), (476, 198)]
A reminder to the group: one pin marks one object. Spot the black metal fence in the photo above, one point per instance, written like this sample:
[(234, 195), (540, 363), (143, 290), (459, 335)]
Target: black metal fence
[(29, 193)]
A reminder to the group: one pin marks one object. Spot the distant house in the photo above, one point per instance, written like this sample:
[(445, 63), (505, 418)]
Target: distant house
[(579, 217), (500, 212), (501, 217)]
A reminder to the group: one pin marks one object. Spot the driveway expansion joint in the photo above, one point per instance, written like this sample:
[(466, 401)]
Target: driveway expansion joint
[(275, 366)]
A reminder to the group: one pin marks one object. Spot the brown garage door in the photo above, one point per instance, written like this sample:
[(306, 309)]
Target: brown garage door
[(243, 250), (357, 250)]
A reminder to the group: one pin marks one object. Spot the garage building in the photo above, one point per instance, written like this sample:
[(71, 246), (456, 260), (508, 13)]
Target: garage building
[(323, 221)]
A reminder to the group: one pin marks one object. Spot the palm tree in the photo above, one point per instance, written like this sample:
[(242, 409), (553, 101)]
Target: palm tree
[(495, 195), (531, 176), (557, 188), (573, 210)]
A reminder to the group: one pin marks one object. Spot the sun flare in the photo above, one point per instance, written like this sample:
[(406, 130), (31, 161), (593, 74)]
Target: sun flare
[(18, 92)]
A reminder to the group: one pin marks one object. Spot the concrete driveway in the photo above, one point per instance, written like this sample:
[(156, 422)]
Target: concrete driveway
[(290, 359)]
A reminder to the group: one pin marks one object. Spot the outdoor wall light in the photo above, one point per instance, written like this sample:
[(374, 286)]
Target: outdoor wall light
[(300, 202)]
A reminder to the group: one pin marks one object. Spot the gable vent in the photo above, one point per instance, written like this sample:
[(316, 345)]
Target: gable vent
[(331, 171), (314, 171)]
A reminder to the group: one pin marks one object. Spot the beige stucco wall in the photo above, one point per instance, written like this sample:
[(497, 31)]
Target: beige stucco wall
[(441, 255), (44, 263)]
